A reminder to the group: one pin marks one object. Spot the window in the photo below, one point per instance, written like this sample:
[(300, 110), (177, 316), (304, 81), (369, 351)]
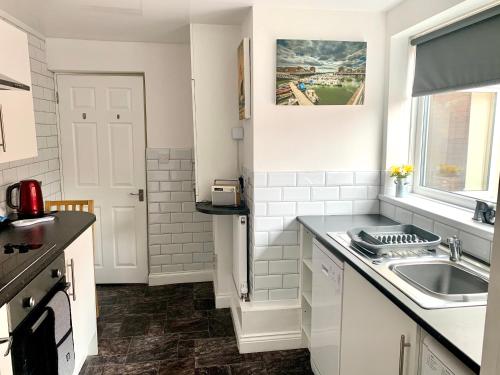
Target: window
[(457, 149)]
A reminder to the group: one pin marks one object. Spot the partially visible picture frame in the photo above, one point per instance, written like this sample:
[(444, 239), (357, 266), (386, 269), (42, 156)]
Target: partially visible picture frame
[(244, 79)]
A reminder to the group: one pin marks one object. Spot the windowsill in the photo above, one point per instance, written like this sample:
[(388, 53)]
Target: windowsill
[(448, 214)]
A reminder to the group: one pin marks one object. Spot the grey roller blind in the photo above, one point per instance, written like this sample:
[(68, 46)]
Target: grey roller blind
[(460, 56)]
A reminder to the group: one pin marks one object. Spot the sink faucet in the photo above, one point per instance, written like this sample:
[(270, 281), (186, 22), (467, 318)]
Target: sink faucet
[(455, 246)]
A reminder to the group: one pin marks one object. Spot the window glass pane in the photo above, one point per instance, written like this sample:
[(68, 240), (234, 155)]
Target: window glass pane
[(458, 153)]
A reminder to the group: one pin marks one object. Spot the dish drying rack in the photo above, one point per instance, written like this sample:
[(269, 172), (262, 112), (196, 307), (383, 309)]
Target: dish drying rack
[(382, 239)]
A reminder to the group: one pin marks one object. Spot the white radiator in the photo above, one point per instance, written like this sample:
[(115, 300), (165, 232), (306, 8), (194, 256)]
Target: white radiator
[(240, 255)]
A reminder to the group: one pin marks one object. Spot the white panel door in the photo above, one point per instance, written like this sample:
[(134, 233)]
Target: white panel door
[(103, 158)]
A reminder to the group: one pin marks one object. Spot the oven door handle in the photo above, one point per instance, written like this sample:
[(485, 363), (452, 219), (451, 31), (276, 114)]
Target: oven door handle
[(39, 321), (4, 341)]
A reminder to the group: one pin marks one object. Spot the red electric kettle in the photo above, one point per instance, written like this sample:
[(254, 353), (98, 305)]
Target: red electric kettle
[(30, 198)]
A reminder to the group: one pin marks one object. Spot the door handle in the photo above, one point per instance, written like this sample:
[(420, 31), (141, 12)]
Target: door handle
[(402, 346), (140, 194)]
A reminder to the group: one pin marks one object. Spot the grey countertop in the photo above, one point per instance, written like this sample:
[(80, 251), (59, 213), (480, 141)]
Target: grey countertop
[(460, 330)]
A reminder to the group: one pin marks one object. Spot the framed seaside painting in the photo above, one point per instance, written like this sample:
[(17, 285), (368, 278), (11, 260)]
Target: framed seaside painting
[(320, 72), (244, 79)]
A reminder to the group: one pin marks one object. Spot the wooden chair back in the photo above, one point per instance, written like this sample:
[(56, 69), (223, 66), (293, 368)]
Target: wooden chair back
[(70, 205)]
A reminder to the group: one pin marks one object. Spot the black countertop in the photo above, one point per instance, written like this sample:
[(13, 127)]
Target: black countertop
[(18, 268), (208, 208), (460, 329)]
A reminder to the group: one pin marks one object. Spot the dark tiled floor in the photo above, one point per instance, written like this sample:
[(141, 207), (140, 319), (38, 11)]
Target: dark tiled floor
[(176, 330)]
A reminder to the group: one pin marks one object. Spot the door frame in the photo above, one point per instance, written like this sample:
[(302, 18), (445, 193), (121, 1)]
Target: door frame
[(142, 75)]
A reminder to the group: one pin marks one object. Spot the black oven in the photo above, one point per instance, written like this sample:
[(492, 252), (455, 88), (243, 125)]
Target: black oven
[(35, 326)]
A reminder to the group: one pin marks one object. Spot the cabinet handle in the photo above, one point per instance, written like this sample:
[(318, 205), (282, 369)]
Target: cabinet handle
[(402, 346), (324, 269), (73, 291), (3, 144), (7, 340)]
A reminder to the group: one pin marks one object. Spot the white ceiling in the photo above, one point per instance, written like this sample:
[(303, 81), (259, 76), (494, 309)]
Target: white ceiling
[(151, 20)]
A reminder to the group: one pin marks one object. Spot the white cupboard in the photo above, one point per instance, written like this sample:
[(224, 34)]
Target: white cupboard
[(80, 273), (16, 107), (377, 337)]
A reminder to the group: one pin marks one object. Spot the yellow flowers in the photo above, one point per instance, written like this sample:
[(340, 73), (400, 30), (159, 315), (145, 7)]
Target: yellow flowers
[(408, 169), (401, 171)]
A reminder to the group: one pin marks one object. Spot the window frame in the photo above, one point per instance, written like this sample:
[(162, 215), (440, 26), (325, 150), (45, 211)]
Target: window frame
[(419, 125)]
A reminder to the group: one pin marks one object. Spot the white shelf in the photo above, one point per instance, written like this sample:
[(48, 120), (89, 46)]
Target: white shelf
[(308, 263), (308, 297)]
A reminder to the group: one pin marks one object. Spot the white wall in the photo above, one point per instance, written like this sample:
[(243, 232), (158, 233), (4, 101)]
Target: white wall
[(167, 80), (412, 12), (318, 137)]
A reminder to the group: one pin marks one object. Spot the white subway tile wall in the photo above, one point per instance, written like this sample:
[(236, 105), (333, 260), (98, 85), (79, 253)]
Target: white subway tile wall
[(46, 166), (472, 244), (180, 238), (275, 199)]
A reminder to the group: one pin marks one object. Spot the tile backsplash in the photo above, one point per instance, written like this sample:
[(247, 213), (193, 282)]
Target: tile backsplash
[(276, 199), (471, 243), (180, 238)]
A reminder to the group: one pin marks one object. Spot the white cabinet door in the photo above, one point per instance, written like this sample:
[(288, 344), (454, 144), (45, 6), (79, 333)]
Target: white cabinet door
[(16, 107), (103, 158), (326, 312), (372, 327), (5, 361), (80, 273)]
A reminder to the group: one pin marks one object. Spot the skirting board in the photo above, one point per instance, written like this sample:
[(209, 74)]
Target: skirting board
[(267, 343), (314, 368), (264, 342), (180, 277), (222, 301)]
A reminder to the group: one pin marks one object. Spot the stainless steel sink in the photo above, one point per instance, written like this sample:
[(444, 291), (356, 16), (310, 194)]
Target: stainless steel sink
[(445, 280), (432, 281)]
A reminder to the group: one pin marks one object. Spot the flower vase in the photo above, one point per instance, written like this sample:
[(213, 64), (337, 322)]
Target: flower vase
[(401, 190)]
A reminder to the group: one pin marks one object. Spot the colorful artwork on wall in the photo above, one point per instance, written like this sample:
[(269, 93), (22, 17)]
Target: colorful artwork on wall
[(320, 72)]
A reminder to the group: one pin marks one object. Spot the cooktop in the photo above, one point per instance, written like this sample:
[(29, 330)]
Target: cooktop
[(17, 257)]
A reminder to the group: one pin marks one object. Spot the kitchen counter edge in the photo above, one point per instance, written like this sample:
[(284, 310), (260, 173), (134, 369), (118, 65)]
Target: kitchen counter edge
[(378, 281)]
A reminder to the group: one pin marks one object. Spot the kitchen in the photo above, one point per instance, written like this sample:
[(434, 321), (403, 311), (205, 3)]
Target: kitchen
[(127, 112)]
